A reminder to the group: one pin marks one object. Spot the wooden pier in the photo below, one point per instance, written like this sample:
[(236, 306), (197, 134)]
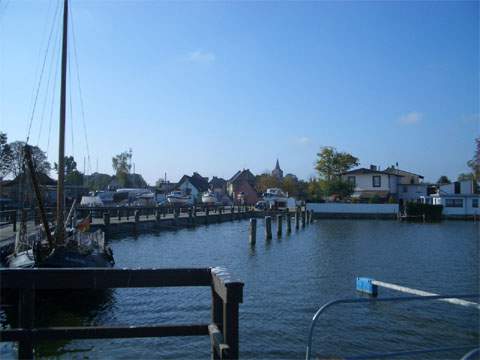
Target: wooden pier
[(227, 294), (129, 219)]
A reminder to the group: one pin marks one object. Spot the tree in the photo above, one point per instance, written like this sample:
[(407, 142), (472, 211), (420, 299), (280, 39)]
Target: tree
[(121, 163), (72, 175), (474, 164), (466, 176), (331, 163), (443, 180), (6, 156), (338, 187), (97, 181), (266, 181), (38, 155), (70, 165)]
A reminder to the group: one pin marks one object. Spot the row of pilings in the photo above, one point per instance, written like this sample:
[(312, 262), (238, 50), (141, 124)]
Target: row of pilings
[(301, 218)]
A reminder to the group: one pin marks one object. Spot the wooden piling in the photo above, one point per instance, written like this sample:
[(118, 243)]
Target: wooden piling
[(303, 218), (106, 219), (279, 225), (190, 215), (297, 218), (268, 227), (137, 218), (253, 231), (289, 222), (206, 215), (26, 316)]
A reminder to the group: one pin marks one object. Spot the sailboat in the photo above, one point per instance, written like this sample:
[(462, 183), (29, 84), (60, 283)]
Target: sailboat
[(61, 246)]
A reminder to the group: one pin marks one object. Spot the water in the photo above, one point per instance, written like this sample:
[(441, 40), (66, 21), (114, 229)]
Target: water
[(286, 280)]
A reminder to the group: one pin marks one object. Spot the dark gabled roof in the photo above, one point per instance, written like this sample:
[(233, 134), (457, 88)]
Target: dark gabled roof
[(217, 182), (393, 171), (42, 179), (242, 174), (360, 171), (200, 183)]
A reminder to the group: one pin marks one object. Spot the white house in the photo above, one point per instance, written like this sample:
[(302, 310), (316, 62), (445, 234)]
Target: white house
[(193, 185), (391, 182), (459, 199)]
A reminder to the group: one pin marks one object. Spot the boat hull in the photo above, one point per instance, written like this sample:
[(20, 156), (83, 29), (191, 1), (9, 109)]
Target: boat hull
[(177, 200), (61, 257), (22, 260), (209, 199)]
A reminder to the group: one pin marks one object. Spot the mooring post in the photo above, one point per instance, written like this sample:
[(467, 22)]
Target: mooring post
[(279, 225), (297, 218), (157, 215), (190, 215), (268, 227), (311, 216), (253, 231), (303, 218), (137, 217), (206, 215), (289, 221), (106, 219)]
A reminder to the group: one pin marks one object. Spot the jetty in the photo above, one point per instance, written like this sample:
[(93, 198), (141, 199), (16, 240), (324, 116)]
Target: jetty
[(128, 219)]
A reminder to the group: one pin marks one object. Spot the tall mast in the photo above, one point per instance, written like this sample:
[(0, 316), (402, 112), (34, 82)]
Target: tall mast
[(60, 233)]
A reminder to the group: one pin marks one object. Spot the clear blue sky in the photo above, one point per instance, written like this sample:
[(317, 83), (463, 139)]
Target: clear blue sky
[(219, 86)]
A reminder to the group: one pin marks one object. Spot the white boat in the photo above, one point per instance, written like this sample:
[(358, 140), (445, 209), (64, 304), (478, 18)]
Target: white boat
[(275, 197), (178, 198), (209, 197), (23, 259)]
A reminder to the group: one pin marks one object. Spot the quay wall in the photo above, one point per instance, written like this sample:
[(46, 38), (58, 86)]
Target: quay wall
[(353, 211)]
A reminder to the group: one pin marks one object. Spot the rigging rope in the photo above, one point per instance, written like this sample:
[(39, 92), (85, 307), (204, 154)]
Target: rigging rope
[(51, 69), (82, 109), (53, 99), (41, 75), (71, 107)]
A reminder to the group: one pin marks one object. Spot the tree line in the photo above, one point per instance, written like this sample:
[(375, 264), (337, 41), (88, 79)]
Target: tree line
[(12, 164)]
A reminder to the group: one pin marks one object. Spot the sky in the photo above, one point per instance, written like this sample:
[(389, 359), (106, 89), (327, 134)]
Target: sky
[(215, 87)]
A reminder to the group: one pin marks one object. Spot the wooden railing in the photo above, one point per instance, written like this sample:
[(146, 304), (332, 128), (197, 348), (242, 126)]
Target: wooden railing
[(227, 294)]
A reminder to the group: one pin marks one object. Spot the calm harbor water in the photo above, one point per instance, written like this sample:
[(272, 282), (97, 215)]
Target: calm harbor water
[(286, 280)]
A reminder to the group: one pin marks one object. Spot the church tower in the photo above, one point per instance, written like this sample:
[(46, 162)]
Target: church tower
[(277, 172)]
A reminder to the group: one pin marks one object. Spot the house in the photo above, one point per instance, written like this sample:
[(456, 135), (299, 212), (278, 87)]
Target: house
[(277, 172), (392, 182), (194, 185), (20, 191), (218, 186), (410, 186), (459, 199), (242, 184), (372, 182)]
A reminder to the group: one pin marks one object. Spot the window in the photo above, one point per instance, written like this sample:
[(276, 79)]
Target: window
[(456, 203), (351, 180), (456, 185), (376, 181), (405, 189), (474, 203)]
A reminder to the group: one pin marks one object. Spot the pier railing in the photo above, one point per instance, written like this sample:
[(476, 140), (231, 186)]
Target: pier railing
[(227, 294)]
